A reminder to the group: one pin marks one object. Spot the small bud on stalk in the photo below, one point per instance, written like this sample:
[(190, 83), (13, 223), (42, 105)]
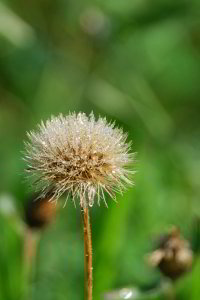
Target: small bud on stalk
[(173, 255), (39, 212)]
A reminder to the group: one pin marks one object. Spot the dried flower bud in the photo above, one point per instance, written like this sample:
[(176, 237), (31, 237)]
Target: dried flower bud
[(79, 155), (39, 212), (173, 255)]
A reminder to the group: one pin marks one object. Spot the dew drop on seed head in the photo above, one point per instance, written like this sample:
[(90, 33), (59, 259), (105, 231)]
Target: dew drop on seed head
[(91, 202)]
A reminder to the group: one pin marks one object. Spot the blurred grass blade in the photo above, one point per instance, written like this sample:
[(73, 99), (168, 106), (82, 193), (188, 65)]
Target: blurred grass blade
[(153, 113), (146, 105), (14, 29)]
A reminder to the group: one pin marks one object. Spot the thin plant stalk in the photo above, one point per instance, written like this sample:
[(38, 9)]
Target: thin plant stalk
[(87, 252), (30, 250)]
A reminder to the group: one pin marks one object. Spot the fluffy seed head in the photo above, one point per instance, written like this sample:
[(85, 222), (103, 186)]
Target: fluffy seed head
[(79, 155)]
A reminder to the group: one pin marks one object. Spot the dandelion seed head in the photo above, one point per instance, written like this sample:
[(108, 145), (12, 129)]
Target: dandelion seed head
[(80, 156)]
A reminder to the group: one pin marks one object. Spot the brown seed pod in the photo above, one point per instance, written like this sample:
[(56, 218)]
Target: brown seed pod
[(173, 255), (39, 212)]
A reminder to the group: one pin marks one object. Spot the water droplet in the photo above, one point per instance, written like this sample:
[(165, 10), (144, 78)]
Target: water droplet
[(91, 202), (91, 196)]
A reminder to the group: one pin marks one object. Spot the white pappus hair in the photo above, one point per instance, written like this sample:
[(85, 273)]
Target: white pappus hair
[(80, 156)]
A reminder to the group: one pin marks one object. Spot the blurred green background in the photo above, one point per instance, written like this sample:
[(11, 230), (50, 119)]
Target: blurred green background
[(133, 61)]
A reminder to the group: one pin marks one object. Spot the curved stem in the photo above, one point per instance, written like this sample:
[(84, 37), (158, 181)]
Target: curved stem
[(87, 253)]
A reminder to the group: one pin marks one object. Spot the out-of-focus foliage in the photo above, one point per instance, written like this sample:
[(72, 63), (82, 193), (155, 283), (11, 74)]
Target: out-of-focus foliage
[(134, 61)]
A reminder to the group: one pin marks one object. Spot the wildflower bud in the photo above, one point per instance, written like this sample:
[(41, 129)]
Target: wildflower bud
[(173, 255), (39, 212)]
